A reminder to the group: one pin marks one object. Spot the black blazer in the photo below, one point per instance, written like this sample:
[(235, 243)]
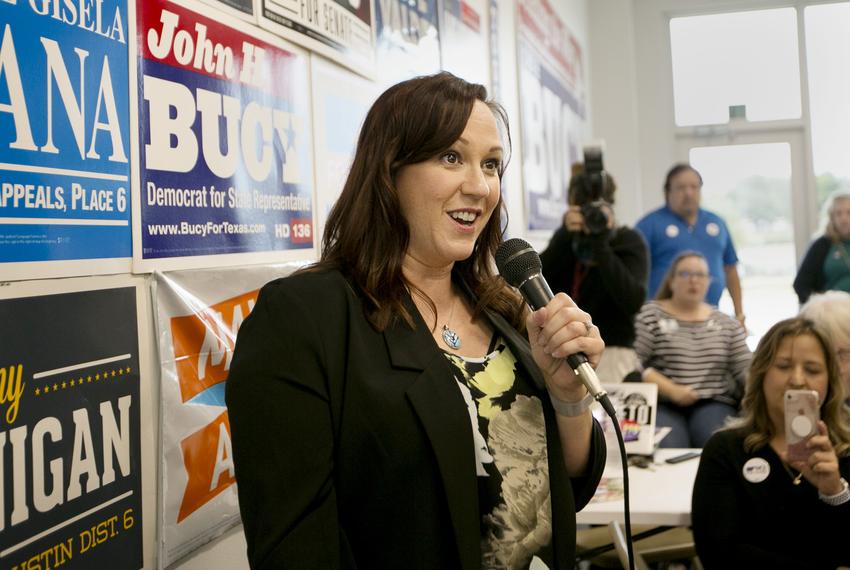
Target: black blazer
[(353, 448), (810, 278)]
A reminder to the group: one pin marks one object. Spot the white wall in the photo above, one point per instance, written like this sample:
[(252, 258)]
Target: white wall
[(613, 84)]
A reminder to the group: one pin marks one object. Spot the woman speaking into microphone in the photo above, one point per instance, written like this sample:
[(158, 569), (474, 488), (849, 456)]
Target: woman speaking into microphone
[(388, 405)]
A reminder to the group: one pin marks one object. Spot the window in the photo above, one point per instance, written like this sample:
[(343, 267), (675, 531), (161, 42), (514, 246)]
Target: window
[(828, 59), (749, 185), (741, 58)]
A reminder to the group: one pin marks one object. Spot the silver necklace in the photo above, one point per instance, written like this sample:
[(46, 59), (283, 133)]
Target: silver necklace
[(450, 337)]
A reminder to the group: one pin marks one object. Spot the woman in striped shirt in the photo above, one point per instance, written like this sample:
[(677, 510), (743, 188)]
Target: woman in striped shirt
[(696, 354)]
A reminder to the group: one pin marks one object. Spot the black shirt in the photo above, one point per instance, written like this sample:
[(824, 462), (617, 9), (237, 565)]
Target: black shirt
[(760, 519), (612, 288)]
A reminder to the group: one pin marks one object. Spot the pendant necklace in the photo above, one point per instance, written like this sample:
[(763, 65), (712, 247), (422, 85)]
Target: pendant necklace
[(794, 480), (450, 337)]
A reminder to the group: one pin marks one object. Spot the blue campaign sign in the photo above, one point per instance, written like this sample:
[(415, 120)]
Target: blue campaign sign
[(552, 96), (64, 131), (225, 151)]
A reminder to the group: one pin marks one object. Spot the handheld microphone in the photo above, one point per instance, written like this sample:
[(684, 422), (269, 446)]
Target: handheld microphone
[(520, 266)]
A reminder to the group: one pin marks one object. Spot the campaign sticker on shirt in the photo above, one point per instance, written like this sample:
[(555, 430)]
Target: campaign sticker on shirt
[(672, 231), (712, 229), (756, 470), (668, 326)]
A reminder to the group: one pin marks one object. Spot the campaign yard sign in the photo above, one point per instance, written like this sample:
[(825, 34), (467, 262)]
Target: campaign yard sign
[(64, 138), (198, 315), (70, 467), (340, 30), (225, 151), (553, 120), (465, 42), (341, 100)]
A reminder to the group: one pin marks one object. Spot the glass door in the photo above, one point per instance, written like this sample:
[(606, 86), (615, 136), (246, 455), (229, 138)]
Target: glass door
[(756, 182)]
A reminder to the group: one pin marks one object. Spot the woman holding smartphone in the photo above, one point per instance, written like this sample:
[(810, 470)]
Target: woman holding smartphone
[(753, 505)]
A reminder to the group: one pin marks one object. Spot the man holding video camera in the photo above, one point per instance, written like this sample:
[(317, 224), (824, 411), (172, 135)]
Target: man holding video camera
[(603, 267)]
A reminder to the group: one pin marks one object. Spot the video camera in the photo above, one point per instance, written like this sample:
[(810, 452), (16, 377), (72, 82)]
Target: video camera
[(592, 192)]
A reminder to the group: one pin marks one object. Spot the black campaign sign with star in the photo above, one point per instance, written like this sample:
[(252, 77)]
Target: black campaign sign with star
[(69, 431)]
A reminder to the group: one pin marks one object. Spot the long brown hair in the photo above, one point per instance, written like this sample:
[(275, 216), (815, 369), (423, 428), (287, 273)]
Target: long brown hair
[(665, 290), (366, 234), (755, 421)]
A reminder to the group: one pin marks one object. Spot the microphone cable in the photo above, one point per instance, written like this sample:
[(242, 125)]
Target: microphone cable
[(521, 267)]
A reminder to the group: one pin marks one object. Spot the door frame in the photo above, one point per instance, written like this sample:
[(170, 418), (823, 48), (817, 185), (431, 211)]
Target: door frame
[(803, 200)]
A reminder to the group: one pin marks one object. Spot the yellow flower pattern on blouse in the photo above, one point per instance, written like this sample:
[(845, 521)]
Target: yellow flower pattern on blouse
[(493, 381)]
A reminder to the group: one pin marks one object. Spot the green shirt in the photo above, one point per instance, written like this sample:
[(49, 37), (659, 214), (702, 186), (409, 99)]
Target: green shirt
[(836, 267)]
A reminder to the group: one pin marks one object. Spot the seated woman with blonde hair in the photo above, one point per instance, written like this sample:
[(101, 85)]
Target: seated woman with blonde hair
[(754, 507), (696, 354)]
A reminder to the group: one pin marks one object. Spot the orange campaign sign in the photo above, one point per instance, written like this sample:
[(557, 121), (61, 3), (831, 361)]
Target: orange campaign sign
[(208, 459), (199, 313), (203, 348), (203, 343)]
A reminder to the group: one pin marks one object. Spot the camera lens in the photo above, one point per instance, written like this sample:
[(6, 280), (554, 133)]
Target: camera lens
[(595, 217)]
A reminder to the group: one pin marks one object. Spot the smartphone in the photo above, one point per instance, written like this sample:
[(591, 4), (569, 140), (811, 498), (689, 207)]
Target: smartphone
[(802, 413), (683, 457)]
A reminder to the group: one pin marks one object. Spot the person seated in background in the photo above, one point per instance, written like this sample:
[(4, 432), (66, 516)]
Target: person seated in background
[(831, 311), (696, 354), (826, 265), (602, 266), (752, 507), (682, 225)]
